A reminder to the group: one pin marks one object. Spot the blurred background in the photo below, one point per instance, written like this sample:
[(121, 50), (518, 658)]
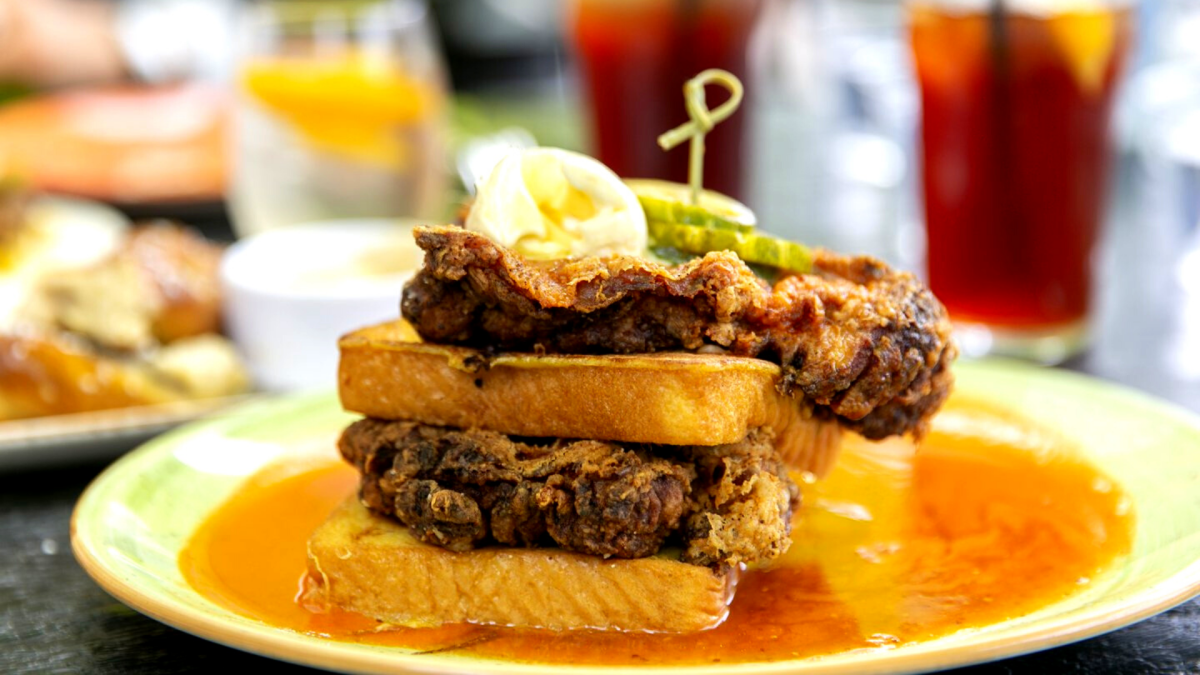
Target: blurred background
[(1038, 162)]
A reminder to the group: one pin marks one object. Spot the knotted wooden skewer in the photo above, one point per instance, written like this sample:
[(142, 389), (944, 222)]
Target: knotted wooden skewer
[(702, 121)]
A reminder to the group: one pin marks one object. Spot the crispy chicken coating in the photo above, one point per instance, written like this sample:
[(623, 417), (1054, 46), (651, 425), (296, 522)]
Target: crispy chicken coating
[(459, 489), (856, 339), (742, 502)]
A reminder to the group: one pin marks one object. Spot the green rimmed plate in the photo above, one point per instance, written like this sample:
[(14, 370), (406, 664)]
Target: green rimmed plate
[(131, 524)]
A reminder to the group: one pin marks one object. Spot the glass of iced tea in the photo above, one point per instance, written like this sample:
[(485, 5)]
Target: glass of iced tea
[(340, 113), (1017, 100), (635, 56)]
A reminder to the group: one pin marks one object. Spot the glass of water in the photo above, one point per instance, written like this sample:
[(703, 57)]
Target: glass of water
[(340, 113)]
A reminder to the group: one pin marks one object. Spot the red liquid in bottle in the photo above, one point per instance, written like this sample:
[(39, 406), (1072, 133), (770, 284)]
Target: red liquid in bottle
[(1015, 143), (636, 55)]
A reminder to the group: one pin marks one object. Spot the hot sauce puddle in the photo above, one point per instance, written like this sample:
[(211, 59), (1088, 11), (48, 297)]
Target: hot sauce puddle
[(991, 518)]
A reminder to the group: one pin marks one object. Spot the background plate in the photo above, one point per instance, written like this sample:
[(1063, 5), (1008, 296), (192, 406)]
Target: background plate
[(131, 524), (80, 437)]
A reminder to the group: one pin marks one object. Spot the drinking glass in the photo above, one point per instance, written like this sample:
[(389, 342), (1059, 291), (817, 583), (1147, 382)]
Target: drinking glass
[(635, 57), (340, 113), (1017, 100)]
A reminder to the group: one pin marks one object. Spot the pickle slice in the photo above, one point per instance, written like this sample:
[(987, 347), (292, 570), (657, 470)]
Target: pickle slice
[(669, 255), (752, 247), (669, 202)]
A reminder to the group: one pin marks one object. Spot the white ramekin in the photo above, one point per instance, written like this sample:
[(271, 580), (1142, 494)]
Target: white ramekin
[(290, 293)]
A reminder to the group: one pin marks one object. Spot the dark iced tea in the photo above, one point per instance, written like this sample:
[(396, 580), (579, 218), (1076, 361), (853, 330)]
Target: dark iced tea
[(1015, 141), (636, 55)]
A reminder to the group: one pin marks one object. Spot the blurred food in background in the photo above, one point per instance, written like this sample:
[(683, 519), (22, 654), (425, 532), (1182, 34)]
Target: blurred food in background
[(635, 55), (340, 114), (1016, 144), (43, 236), (120, 144), (14, 197), (95, 315)]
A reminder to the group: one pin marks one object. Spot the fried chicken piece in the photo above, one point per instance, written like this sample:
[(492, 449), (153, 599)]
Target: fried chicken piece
[(856, 339), (461, 489), (742, 503)]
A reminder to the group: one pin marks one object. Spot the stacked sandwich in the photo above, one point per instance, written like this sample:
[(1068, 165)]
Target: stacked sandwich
[(606, 441)]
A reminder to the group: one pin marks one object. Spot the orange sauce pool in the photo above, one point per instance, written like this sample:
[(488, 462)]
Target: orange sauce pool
[(988, 519)]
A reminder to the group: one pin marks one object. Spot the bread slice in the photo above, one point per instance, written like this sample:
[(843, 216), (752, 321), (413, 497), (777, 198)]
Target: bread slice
[(672, 398), (365, 563)]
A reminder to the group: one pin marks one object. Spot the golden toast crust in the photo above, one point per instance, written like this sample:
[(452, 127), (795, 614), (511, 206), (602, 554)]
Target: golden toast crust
[(664, 398), (369, 564)]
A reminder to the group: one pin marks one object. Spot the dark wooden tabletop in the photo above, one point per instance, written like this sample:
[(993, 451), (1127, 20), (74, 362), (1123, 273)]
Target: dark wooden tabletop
[(55, 619)]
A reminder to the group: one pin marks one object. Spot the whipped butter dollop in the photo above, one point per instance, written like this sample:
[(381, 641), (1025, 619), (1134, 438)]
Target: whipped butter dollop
[(549, 203)]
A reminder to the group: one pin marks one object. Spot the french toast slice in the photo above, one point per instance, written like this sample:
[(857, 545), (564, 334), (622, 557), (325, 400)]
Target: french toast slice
[(670, 398), (372, 565)]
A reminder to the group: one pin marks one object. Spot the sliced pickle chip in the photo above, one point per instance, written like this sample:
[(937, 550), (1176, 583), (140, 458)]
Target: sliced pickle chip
[(669, 202), (761, 249), (669, 255)]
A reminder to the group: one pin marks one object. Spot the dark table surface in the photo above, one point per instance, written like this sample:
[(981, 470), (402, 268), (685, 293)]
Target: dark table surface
[(54, 618)]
